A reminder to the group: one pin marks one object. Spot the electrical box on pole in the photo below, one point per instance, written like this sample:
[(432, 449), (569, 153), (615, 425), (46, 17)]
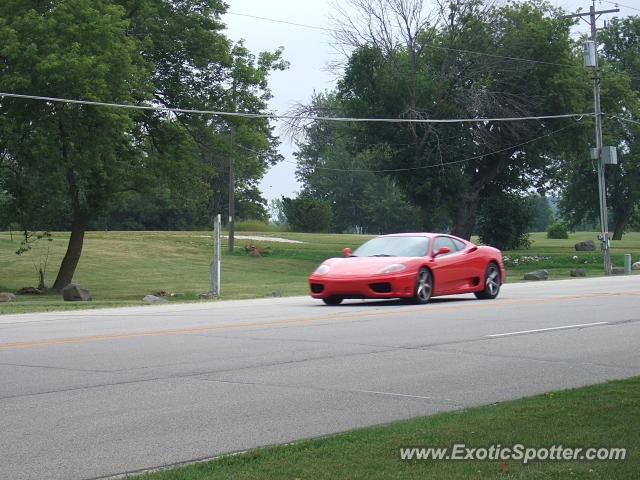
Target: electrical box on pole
[(590, 59), (609, 156)]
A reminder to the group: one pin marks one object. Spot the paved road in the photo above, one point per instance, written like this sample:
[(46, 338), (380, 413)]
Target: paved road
[(97, 393)]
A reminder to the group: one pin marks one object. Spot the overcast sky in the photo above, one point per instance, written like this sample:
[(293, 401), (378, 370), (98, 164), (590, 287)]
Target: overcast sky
[(309, 51)]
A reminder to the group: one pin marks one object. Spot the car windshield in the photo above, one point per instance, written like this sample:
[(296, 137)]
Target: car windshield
[(393, 247)]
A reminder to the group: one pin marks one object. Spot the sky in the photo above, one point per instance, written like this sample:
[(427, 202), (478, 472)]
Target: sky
[(309, 51)]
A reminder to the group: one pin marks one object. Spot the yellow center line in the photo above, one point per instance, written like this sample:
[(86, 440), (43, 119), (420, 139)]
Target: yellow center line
[(344, 316)]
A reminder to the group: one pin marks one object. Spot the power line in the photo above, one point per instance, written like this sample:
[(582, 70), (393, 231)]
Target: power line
[(618, 4), (279, 21), (287, 117), (624, 119), (465, 160)]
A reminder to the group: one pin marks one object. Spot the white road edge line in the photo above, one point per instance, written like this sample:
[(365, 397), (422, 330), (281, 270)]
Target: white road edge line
[(564, 327)]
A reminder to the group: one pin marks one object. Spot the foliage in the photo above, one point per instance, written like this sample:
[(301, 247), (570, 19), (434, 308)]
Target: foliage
[(330, 168), (503, 221), (449, 69), (543, 215), (620, 95), (276, 212), (71, 163), (306, 214), (557, 230)]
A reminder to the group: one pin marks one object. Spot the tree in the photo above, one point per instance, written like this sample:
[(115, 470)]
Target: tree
[(542, 214), (447, 67), (307, 214), (621, 102), (78, 158), (332, 168), (71, 49), (504, 222)]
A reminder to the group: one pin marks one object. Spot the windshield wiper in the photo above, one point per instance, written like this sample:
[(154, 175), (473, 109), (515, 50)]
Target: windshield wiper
[(382, 255)]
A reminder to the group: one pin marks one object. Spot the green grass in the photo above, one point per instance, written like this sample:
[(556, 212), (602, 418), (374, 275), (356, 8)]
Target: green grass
[(606, 415), (119, 268)]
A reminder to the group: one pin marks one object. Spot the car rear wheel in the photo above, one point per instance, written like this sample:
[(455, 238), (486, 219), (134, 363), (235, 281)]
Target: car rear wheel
[(332, 300), (424, 286), (491, 283)]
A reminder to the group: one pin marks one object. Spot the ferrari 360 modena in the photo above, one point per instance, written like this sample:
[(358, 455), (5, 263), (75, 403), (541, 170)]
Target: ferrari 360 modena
[(415, 266)]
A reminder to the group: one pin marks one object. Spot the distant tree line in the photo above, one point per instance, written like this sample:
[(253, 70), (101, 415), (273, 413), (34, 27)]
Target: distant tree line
[(471, 60)]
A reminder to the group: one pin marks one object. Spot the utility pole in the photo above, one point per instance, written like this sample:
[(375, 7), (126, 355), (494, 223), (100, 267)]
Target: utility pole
[(591, 59), (232, 193)]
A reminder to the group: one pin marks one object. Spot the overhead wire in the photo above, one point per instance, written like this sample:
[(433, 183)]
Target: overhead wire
[(443, 164), (618, 4), (286, 117), (629, 120)]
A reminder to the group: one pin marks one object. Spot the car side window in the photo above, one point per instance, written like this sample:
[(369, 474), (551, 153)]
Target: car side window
[(440, 242), (459, 245)]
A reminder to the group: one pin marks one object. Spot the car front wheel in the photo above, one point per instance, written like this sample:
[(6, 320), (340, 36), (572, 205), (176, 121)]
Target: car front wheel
[(424, 286), (491, 283), (332, 300)]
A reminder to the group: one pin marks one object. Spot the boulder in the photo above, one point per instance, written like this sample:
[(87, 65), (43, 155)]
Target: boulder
[(7, 297), (207, 296), (537, 275), (76, 293), (578, 272), (153, 299), (586, 246), (635, 266), (617, 270), (30, 291)]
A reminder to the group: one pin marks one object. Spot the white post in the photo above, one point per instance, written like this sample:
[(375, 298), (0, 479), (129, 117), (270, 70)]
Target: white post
[(215, 264)]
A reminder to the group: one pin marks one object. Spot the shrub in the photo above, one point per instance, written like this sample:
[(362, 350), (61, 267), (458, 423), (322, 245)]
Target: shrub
[(557, 230), (503, 220), (307, 214)]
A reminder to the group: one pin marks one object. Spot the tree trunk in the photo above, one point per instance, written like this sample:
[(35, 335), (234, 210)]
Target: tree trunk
[(620, 224), (74, 250), (465, 216)]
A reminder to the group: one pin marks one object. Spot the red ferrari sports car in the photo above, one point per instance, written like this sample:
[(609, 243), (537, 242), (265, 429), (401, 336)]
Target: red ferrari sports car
[(416, 266)]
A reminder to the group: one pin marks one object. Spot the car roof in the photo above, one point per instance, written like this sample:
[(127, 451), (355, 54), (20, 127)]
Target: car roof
[(415, 234)]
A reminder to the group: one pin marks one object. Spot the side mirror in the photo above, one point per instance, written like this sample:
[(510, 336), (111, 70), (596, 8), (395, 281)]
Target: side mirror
[(442, 251), (347, 252)]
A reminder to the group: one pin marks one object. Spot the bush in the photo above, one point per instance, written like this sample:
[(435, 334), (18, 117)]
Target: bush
[(503, 220), (558, 230), (307, 214)]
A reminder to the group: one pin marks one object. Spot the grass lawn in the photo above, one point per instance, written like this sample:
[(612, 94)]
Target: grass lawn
[(606, 415), (119, 268)]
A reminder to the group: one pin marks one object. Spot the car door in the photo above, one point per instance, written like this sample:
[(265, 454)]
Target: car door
[(449, 269)]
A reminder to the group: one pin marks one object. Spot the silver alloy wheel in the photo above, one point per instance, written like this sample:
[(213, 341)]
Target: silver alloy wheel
[(424, 286), (492, 282)]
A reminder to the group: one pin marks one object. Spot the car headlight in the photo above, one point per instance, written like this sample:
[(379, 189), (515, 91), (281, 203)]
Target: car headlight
[(394, 267), (322, 269)]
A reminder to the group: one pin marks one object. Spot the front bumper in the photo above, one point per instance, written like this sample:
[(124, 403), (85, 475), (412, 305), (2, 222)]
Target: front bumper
[(376, 286)]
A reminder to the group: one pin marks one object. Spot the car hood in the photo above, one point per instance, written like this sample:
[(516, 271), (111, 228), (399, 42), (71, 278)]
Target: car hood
[(350, 266)]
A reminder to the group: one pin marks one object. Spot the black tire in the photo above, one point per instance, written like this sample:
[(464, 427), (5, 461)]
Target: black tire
[(424, 286), (332, 300), (491, 283)]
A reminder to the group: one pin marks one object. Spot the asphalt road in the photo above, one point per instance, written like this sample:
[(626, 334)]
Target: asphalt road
[(97, 393)]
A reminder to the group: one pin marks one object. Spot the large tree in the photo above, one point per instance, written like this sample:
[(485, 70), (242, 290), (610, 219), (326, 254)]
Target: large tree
[(620, 65), (72, 49), (331, 167), (78, 158), (463, 63)]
